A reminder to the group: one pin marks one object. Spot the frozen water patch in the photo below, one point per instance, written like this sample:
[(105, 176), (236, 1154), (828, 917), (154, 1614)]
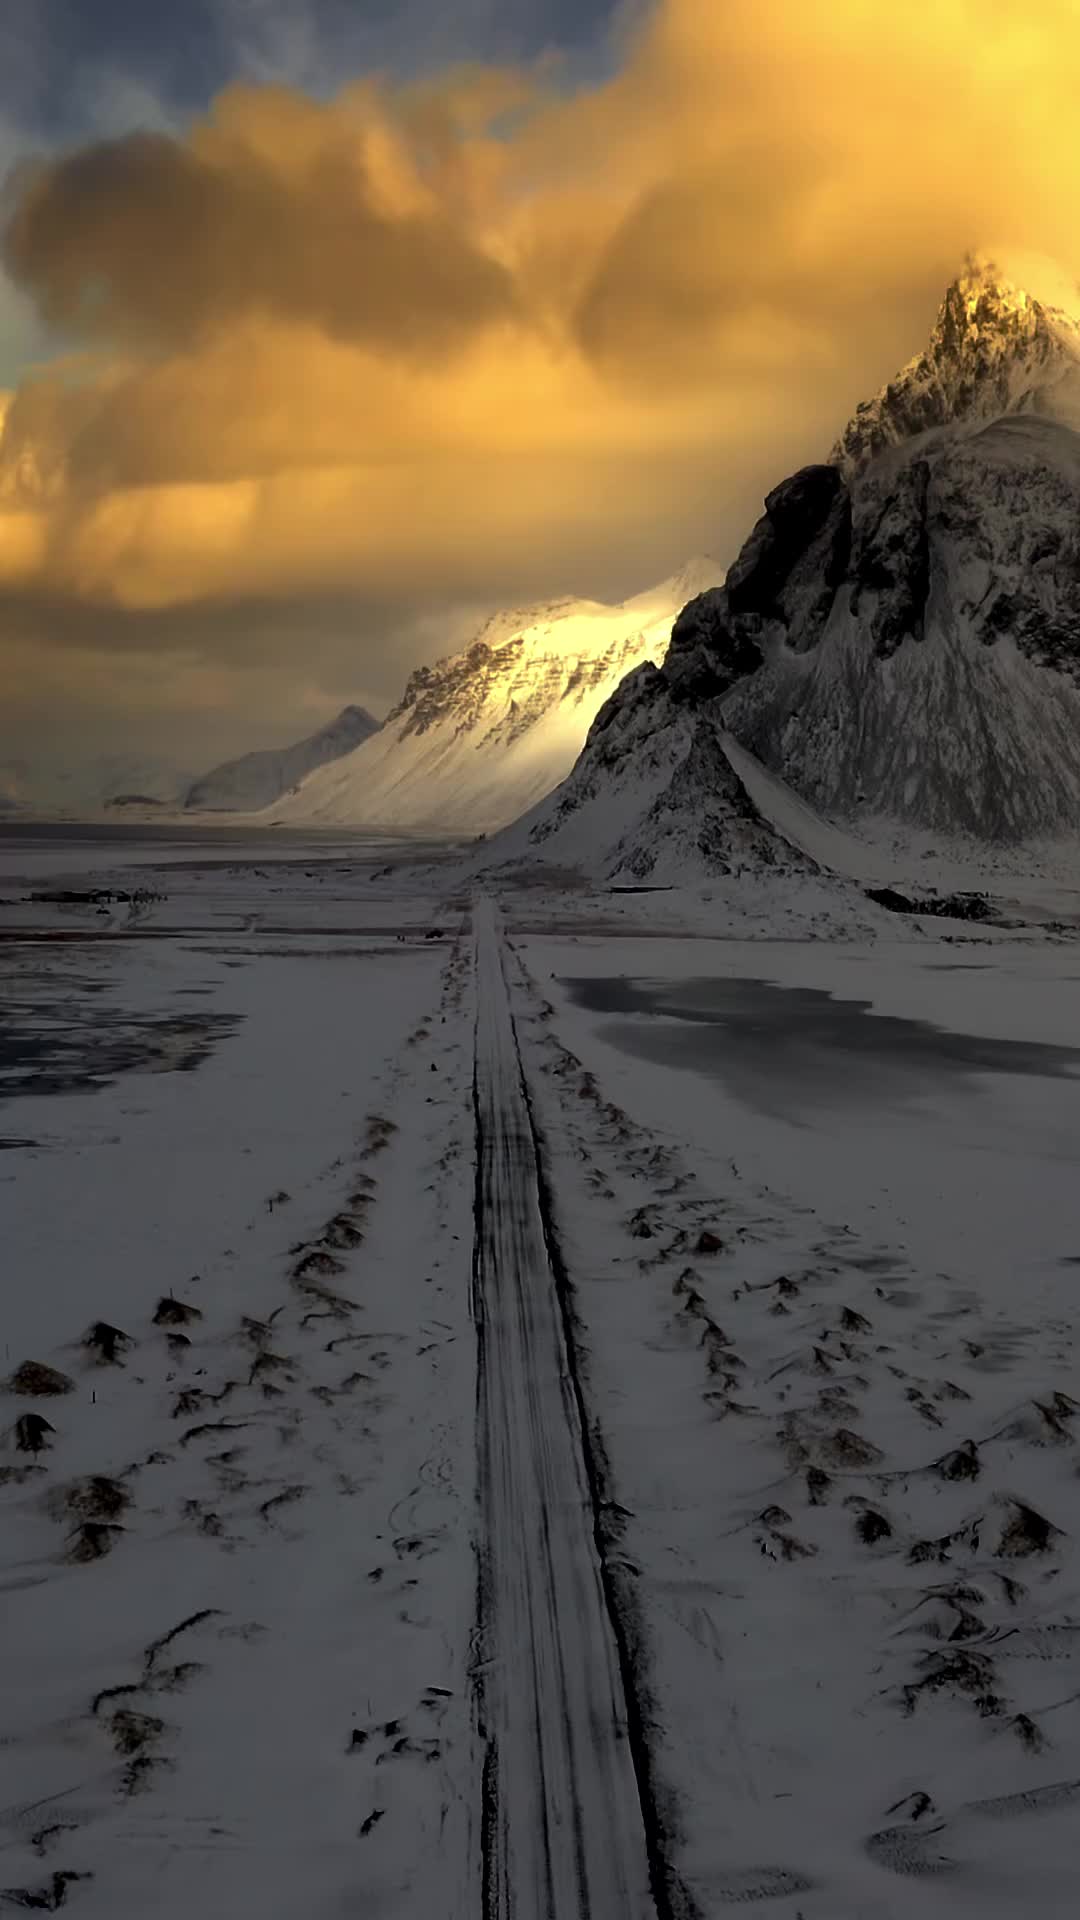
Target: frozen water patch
[(792, 1048)]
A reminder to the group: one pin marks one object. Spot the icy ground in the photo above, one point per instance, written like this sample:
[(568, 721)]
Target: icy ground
[(764, 1306)]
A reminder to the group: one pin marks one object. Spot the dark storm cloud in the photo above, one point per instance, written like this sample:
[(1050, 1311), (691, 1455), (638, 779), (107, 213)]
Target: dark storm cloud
[(146, 239)]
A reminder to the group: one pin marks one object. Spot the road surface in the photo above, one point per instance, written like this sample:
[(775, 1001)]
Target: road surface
[(564, 1827)]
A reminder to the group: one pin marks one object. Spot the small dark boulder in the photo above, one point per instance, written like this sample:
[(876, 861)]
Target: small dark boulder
[(45, 1899), (92, 1541), (32, 1432), (110, 1344), (175, 1313), (34, 1378)]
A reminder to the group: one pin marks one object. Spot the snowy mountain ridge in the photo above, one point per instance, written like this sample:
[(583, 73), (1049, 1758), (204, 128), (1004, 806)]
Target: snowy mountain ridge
[(256, 780), (481, 735), (994, 349)]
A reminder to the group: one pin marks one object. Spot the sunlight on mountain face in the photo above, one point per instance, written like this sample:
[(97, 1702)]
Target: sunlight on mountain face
[(485, 733)]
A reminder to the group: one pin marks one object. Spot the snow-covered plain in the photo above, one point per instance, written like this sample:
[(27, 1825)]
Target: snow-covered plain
[(825, 1263), (275, 1466), (807, 1181)]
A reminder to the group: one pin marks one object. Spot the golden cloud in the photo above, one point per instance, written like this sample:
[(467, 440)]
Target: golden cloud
[(481, 337), (275, 207)]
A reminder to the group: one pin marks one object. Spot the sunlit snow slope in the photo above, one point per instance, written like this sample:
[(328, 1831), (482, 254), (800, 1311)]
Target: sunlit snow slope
[(482, 735)]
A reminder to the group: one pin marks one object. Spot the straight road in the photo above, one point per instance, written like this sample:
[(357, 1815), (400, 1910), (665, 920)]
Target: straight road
[(564, 1830)]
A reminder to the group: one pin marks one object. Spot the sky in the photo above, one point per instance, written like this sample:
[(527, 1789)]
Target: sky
[(327, 324)]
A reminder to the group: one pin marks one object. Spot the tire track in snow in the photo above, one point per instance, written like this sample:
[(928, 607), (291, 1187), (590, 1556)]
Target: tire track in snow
[(568, 1828)]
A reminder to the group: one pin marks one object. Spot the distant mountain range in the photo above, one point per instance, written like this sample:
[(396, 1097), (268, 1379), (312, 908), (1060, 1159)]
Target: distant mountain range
[(134, 786), (475, 739), (107, 782)]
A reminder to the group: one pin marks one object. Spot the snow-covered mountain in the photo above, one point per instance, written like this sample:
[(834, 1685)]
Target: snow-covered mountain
[(994, 349), (652, 798), (915, 636), (257, 780), (136, 785), (482, 735), (899, 636)]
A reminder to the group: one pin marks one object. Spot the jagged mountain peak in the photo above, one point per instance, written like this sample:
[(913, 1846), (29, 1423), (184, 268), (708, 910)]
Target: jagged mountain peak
[(995, 348), (905, 641), (899, 636), (989, 287)]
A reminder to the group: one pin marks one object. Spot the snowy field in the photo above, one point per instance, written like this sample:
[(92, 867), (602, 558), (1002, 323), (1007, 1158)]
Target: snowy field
[(810, 1208), (821, 1202), (238, 1581)]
